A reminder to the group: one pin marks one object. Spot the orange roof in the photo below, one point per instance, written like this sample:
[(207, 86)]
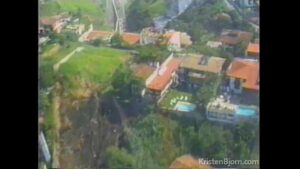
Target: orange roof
[(161, 81), (172, 37), (188, 162), (131, 38), (143, 70), (246, 70), (98, 34), (168, 35), (50, 20), (253, 48)]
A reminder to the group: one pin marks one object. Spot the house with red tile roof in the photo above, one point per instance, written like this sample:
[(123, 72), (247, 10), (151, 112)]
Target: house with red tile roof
[(56, 22), (252, 50), (243, 75), (163, 77), (174, 39), (103, 35), (131, 38), (234, 37)]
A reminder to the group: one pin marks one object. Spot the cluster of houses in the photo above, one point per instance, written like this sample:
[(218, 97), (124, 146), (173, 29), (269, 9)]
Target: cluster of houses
[(190, 69), (243, 74), (59, 23), (173, 39), (62, 22), (184, 69)]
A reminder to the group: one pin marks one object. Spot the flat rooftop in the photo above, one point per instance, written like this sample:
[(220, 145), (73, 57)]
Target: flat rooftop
[(212, 65), (220, 106)]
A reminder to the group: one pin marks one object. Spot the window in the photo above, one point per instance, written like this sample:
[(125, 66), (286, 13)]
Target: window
[(237, 83)]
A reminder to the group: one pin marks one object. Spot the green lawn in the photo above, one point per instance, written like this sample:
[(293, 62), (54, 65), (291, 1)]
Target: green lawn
[(166, 102), (50, 56), (88, 6), (92, 11), (91, 64), (49, 9), (55, 52), (56, 6), (94, 64), (50, 50)]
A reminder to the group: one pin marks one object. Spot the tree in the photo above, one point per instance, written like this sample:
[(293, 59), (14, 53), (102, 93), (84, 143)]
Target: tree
[(70, 36), (246, 132), (151, 52), (207, 90), (97, 42), (152, 141), (119, 158), (239, 49), (44, 102), (211, 141), (57, 37), (125, 84), (117, 41), (138, 16)]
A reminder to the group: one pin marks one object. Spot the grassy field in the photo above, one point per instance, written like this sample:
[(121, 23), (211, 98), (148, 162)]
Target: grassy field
[(49, 8), (52, 54), (57, 6), (50, 50), (92, 11), (94, 64), (55, 52), (172, 94)]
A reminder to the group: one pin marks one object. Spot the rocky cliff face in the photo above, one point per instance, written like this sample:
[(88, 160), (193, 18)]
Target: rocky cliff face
[(176, 7)]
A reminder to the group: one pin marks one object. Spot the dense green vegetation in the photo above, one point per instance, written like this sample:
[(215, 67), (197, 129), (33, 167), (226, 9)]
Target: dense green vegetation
[(208, 90), (137, 19), (155, 141), (150, 52), (125, 84), (119, 158), (141, 12), (156, 7), (206, 22)]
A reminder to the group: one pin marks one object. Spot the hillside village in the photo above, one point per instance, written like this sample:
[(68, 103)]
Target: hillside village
[(105, 94)]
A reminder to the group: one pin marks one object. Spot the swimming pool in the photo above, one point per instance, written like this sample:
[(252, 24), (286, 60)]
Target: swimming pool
[(184, 106), (246, 111)]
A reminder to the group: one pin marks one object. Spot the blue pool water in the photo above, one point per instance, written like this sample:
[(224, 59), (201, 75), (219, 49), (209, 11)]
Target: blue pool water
[(245, 111), (184, 107)]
